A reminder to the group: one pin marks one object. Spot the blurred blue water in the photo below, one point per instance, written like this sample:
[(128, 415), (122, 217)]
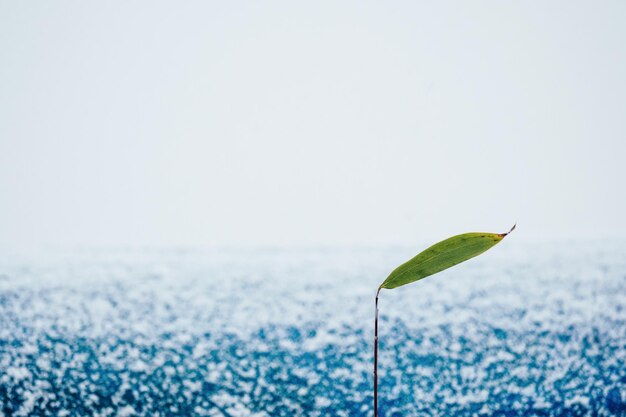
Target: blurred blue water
[(523, 330)]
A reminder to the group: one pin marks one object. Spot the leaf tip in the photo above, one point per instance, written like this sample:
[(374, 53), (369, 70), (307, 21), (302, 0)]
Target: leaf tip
[(512, 228)]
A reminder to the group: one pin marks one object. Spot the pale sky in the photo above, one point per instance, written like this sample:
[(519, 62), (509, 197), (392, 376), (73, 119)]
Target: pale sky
[(305, 123)]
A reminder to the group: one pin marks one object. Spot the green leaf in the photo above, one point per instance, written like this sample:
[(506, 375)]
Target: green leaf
[(442, 255)]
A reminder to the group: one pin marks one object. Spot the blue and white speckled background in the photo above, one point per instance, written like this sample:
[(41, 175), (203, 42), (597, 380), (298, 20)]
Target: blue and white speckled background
[(523, 330)]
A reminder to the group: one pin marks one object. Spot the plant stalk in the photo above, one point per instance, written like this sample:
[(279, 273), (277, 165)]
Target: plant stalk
[(376, 356)]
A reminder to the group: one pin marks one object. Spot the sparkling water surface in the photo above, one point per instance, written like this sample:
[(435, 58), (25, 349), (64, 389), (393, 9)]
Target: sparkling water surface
[(524, 330)]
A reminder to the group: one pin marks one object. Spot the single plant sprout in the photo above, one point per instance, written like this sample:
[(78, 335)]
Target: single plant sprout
[(436, 258)]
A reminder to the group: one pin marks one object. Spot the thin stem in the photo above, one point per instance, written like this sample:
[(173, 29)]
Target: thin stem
[(376, 356)]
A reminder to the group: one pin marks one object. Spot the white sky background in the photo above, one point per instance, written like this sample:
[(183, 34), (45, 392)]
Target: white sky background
[(310, 123)]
